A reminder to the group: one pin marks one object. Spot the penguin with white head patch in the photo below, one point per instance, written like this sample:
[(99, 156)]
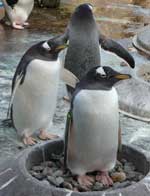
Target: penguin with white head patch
[(85, 42), (34, 90), (92, 128), (18, 12)]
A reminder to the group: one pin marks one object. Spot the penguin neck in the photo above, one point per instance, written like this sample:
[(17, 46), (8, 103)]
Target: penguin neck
[(86, 23)]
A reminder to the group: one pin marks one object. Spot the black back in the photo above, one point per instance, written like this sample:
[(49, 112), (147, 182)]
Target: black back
[(12, 3), (83, 52)]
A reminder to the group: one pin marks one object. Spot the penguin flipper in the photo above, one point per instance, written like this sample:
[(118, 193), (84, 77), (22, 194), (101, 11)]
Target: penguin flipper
[(69, 78), (17, 83), (67, 131), (112, 46)]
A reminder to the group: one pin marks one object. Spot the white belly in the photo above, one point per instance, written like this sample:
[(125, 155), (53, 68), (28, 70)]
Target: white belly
[(35, 100), (93, 141), (21, 10)]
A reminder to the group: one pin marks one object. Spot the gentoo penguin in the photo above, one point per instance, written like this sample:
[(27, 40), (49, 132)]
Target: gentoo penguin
[(92, 127), (18, 12), (34, 90), (85, 42)]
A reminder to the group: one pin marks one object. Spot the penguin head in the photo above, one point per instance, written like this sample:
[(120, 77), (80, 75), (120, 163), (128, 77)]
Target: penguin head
[(106, 76), (83, 11), (53, 46)]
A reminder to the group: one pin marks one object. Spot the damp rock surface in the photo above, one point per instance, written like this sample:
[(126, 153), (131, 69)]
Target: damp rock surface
[(123, 175)]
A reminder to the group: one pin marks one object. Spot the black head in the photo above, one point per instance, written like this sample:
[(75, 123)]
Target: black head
[(83, 11), (53, 46), (102, 78)]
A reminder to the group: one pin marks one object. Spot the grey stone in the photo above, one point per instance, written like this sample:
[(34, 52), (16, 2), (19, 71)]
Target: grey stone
[(52, 180), (83, 188), (47, 171), (68, 185), (97, 186), (38, 168), (59, 180), (58, 173), (142, 40)]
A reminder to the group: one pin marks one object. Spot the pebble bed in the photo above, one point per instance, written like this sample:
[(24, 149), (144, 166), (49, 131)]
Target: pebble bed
[(124, 174)]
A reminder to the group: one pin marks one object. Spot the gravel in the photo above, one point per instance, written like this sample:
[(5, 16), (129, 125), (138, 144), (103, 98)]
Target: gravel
[(124, 174)]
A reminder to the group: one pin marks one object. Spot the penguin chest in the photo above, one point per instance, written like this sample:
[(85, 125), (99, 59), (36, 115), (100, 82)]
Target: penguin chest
[(94, 138), (35, 100), (22, 10)]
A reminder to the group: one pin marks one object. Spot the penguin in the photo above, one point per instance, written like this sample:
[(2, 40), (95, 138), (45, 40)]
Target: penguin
[(92, 126), (34, 90), (85, 43), (18, 12)]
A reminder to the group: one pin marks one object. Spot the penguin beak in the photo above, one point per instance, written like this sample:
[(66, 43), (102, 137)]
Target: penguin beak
[(61, 47), (122, 76)]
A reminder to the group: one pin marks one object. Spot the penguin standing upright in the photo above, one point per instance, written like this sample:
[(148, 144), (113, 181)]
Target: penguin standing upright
[(92, 128), (85, 42), (18, 12), (34, 90)]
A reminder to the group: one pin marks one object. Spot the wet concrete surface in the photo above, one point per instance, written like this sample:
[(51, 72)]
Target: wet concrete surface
[(47, 22)]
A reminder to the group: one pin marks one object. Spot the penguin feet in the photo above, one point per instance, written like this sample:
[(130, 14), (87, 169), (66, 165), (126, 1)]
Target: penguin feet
[(26, 24), (17, 26), (44, 135), (104, 178), (66, 98), (29, 141), (85, 180)]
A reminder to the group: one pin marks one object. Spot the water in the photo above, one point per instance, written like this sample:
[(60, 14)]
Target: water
[(14, 43)]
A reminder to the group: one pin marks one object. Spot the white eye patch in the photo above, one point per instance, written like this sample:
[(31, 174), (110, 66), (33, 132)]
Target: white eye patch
[(90, 6), (46, 46), (100, 71)]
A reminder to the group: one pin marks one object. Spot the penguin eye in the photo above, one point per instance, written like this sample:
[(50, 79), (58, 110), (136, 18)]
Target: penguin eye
[(46, 46), (103, 76), (101, 72)]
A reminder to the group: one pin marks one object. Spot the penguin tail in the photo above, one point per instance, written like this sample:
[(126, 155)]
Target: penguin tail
[(6, 123)]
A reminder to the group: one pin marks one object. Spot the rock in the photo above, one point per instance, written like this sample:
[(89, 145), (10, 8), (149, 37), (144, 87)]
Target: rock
[(47, 164), (59, 181), (39, 176), (67, 185), (129, 167), (98, 186), (38, 168), (133, 175), (118, 176), (58, 173), (47, 171), (123, 161), (83, 188), (52, 180)]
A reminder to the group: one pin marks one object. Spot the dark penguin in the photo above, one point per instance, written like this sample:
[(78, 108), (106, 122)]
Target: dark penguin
[(85, 42), (92, 128), (34, 90), (18, 12)]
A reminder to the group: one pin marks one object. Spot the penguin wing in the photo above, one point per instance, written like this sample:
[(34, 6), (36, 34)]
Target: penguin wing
[(17, 83), (69, 78), (18, 79), (112, 46), (68, 128), (11, 3)]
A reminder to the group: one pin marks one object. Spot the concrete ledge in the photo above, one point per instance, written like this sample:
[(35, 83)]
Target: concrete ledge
[(15, 179), (142, 40)]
